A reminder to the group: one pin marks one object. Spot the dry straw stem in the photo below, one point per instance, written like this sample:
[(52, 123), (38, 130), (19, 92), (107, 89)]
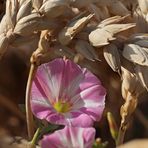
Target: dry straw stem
[(29, 115), (35, 60)]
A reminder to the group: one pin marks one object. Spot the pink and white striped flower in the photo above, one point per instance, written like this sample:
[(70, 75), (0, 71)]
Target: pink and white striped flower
[(70, 137), (64, 93)]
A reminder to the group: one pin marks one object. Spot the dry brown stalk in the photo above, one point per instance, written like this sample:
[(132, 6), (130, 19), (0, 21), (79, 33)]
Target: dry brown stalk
[(35, 61), (29, 115)]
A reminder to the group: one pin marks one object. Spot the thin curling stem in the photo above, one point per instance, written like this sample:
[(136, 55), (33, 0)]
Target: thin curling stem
[(43, 46), (29, 115)]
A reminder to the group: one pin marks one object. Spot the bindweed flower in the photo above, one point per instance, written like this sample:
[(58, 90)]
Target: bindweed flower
[(64, 93), (70, 137)]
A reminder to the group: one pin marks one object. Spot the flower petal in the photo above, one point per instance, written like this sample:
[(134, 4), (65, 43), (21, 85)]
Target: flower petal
[(70, 137), (62, 81), (81, 120)]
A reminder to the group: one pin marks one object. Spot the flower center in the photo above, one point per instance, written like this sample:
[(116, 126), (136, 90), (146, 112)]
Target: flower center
[(62, 107)]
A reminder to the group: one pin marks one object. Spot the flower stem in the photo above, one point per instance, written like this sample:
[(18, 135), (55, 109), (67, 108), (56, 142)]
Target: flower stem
[(112, 126), (34, 139), (29, 115)]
